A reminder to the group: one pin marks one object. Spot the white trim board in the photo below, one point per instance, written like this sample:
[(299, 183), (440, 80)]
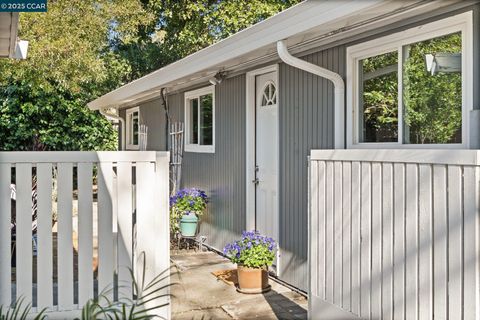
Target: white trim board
[(128, 128), (462, 22), (250, 101)]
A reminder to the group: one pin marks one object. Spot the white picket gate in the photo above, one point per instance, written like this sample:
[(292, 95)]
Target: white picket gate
[(394, 234), (132, 228)]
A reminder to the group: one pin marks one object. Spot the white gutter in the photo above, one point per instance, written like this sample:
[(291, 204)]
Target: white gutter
[(289, 23), (110, 116), (339, 89)]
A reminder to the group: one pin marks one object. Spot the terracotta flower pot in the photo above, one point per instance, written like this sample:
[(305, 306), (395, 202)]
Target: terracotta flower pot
[(252, 280)]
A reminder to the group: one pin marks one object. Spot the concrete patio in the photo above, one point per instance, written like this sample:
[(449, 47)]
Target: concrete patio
[(198, 294)]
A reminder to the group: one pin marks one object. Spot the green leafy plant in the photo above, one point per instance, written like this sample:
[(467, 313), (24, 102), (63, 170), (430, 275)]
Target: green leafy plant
[(149, 297), (19, 311), (186, 201), (139, 308), (253, 250)]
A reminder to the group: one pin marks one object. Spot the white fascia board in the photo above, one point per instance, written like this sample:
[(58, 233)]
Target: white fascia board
[(298, 19)]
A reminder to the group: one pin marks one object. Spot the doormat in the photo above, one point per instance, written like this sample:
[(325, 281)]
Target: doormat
[(229, 276)]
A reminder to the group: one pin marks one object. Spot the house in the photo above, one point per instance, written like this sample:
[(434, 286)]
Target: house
[(8, 34), (320, 75)]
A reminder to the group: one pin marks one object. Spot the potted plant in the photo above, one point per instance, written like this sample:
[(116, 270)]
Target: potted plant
[(186, 208), (253, 254)]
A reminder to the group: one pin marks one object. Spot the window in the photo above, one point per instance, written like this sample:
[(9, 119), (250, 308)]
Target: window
[(269, 96), (133, 123), (412, 89), (199, 120)]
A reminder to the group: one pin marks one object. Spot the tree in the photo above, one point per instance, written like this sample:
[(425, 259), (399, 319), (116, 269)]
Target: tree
[(43, 98), (183, 27), (432, 103), (81, 49)]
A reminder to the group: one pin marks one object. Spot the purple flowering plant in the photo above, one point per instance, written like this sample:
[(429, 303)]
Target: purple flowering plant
[(253, 250), (186, 202)]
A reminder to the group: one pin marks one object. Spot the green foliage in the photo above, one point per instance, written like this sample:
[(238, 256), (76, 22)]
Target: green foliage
[(131, 309), (253, 250), (184, 27), (186, 201), (32, 119), (43, 98), (380, 100), (433, 103), (81, 49), (19, 311)]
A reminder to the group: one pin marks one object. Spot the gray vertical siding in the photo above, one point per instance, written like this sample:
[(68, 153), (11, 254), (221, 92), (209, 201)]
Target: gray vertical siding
[(220, 174), (153, 116), (306, 122)]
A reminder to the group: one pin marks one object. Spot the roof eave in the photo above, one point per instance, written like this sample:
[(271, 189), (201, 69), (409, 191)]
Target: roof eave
[(295, 20)]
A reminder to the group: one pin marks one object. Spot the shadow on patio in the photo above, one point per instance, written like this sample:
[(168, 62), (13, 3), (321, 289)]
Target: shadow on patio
[(200, 295)]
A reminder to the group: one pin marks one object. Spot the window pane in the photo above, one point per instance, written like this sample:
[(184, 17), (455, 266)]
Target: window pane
[(379, 98), (206, 120), (135, 128), (194, 121), (432, 91)]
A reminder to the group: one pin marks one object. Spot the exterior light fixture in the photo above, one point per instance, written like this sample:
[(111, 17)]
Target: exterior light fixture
[(443, 62), (21, 50), (217, 78)]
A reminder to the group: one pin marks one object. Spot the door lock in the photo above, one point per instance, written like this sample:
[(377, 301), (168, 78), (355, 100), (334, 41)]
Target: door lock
[(255, 181)]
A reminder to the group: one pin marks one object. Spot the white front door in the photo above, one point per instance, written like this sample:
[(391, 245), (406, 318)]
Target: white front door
[(266, 156)]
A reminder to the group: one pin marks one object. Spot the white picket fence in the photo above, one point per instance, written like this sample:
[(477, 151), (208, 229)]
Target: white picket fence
[(132, 228), (394, 234)]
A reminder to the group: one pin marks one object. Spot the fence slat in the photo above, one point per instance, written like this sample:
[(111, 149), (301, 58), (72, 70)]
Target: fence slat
[(471, 246), (330, 233), (365, 236), (85, 232), (125, 212), (23, 174), (64, 238), (411, 245), (5, 235), (346, 230), (162, 223), (376, 308), (321, 227), (314, 226), (455, 240), (337, 234), (105, 229), (440, 231), (356, 205), (408, 237), (387, 241), (399, 242), (425, 277), (44, 232), (146, 242)]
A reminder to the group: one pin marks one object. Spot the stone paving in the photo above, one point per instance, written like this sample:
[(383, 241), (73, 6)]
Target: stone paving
[(199, 295)]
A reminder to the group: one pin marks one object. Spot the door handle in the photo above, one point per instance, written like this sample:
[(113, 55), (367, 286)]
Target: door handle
[(255, 181)]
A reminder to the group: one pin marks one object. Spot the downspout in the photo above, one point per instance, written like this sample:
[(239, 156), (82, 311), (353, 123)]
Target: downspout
[(110, 116), (339, 89)]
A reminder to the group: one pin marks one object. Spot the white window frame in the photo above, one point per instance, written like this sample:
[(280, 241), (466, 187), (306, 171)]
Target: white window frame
[(459, 23), (190, 147), (129, 125)]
